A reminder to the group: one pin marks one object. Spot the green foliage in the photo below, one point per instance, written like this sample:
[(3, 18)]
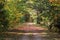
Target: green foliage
[(55, 12), (3, 20), (16, 11), (43, 10)]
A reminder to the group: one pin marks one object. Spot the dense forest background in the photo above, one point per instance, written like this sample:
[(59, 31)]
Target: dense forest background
[(14, 12)]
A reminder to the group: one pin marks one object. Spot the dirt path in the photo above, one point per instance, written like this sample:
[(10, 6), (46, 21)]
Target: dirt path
[(29, 27)]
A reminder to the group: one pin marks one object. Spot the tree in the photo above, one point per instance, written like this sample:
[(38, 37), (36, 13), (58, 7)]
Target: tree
[(55, 10), (3, 20), (43, 8)]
